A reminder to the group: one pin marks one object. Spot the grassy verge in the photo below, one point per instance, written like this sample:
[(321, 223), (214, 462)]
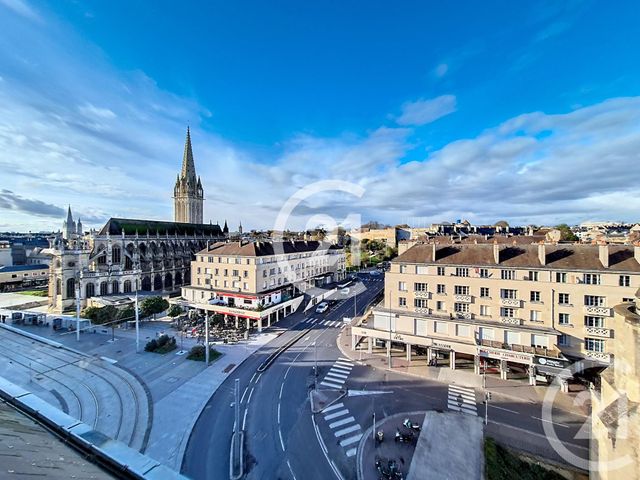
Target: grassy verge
[(34, 293), (501, 464)]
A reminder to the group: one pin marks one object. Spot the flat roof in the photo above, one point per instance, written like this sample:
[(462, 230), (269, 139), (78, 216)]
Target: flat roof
[(22, 268)]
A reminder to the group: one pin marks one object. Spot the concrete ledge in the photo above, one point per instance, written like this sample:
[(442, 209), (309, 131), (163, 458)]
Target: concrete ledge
[(236, 456), (40, 339), (321, 399)]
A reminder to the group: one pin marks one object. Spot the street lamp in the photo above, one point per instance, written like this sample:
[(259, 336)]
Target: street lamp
[(389, 348), (78, 280), (136, 308)]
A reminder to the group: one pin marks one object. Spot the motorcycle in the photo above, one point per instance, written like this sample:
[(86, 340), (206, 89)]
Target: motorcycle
[(410, 425), (404, 437)]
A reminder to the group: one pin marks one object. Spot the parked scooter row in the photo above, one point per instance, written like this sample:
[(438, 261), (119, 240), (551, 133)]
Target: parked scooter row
[(407, 436), (388, 469)]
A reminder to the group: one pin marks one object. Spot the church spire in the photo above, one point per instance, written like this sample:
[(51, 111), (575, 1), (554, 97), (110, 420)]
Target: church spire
[(69, 216), (188, 166)]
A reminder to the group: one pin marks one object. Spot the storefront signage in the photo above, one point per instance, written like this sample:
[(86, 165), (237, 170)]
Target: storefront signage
[(444, 346), (551, 362), (504, 355)]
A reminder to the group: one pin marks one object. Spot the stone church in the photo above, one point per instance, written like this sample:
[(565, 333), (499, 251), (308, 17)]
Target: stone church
[(125, 253)]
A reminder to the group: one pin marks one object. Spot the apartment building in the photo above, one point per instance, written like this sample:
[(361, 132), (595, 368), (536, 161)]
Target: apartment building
[(260, 282), (535, 307)]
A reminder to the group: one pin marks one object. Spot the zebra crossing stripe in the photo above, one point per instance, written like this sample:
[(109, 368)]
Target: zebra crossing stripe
[(344, 421), (344, 364), (351, 452), (456, 388), (466, 396), (462, 409), (351, 440), (335, 406), (346, 431), (339, 381), (330, 385), (337, 414), (337, 374)]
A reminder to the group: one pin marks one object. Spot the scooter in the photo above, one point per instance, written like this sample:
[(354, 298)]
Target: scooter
[(404, 437), (379, 436), (410, 425)]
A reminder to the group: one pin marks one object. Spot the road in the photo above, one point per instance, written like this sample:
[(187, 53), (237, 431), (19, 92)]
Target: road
[(284, 440)]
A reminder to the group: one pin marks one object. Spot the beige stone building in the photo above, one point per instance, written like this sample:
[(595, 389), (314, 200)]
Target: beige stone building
[(531, 309), (615, 429), (260, 282)]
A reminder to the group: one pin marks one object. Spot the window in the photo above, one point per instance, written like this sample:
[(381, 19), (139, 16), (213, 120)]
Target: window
[(508, 274), (419, 287), (563, 319), (511, 338), (594, 301), (533, 276), (421, 270), (484, 292), (462, 272), (402, 286), (420, 303), (535, 297), (441, 271), (628, 300), (198, 270), (461, 290), (563, 340), (486, 333), (594, 345), (463, 331), (485, 311), (440, 327), (483, 272), (591, 278), (226, 272), (591, 321), (403, 269), (563, 299), (235, 273), (461, 307), (207, 281), (507, 293), (245, 274), (534, 316), (440, 306), (441, 288), (507, 312), (540, 341), (561, 277), (420, 327), (402, 302), (624, 280)]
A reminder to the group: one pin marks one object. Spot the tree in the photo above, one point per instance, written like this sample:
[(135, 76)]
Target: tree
[(566, 234), (152, 306), (175, 310), (127, 313), (106, 314), (91, 313)]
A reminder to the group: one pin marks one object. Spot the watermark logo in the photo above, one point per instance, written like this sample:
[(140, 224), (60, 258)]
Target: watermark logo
[(610, 419)]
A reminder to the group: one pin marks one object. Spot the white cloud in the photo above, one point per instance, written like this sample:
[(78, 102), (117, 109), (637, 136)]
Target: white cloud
[(441, 70), (21, 8), (89, 110), (423, 111)]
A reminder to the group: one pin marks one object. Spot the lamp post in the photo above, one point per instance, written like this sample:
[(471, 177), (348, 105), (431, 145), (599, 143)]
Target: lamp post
[(389, 349), (78, 280), (136, 308)]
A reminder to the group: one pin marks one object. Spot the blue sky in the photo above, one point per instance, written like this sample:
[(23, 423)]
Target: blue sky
[(526, 111)]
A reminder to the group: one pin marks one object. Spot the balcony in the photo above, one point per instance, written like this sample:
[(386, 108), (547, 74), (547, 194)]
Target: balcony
[(599, 356), (511, 320), (510, 302), (464, 315), (598, 332), (545, 352), (462, 298), (418, 294), (423, 310), (593, 310)]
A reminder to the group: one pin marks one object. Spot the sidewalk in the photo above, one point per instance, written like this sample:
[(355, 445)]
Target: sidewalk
[(511, 389)]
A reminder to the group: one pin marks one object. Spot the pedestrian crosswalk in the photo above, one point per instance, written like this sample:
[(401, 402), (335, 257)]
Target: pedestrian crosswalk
[(323, 323), (344, 427), (462, 399), (337, 374)]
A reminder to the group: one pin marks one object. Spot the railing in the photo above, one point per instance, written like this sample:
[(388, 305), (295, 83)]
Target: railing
[(424, 310), (606, 311), (511, 320), (545, 352), (598, 331), (510, 302), (462, 298), (604, 357), (464, 315), (419, 294)]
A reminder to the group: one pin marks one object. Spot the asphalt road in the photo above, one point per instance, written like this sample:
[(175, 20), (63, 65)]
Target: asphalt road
[(282, 437)]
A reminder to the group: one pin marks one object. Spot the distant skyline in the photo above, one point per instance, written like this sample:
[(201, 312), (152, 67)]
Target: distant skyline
[(527, 112)]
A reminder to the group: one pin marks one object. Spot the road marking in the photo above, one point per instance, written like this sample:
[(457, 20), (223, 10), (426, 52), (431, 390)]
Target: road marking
[(280, 395), (278, 413), (342, 422), (456, 388), (502, 408), (258, 379), (351, 452), (333, 407), (337, 414), (250, 394), (244, 419), (253, 376), (329, 384), (291, 470), (549, 421), (337, 375), (344, 364), (466, 396), (281, 441), (348, 441), (464, 409), (244, 393), (341, 370), (345, 431)]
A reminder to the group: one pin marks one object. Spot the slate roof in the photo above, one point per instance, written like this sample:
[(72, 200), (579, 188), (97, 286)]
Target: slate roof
[(560, 257), (23, 268), (115, 226), (263, 249)]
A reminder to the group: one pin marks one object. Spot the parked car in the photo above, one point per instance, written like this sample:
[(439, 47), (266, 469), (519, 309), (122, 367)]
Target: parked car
[(323, 307)]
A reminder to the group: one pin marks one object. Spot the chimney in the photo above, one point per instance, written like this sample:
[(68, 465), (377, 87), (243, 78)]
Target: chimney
[(496, 252), (603, 253), (433, 251), (636, 252), (542, 253)]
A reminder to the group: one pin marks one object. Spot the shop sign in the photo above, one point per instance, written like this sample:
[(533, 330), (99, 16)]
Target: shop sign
[(444, 346), (504, 355), (551, 362)]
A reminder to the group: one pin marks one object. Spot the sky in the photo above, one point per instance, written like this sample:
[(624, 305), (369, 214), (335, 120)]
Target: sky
[(401, 112)]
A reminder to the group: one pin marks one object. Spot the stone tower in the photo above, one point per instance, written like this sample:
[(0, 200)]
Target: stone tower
[(188, 194), (69, 226)]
